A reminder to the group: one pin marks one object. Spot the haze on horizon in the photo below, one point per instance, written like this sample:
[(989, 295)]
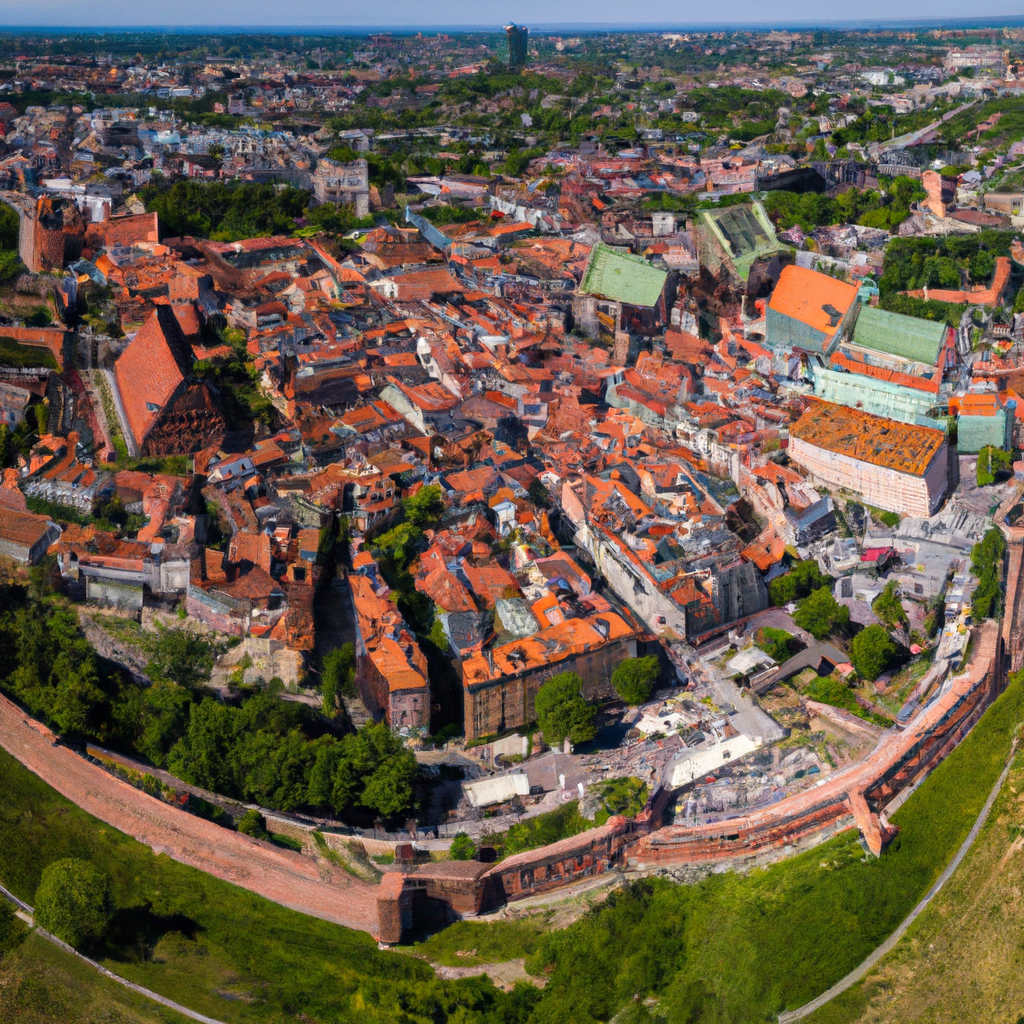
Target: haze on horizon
[(400, 14)]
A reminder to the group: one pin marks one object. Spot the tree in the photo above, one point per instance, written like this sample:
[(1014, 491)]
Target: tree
[(337, 677), (634, 679), (183, 657), (389, 789), (562, 710), (73, 901), (888, 607), (821, 614), (872, 651), (462, 848), (425, 507)]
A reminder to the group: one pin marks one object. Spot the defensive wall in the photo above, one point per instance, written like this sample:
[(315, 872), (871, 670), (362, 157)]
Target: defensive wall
[(413, 900), (855, 797)]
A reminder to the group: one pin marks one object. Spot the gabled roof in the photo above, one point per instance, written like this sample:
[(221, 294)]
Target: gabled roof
[(622, 278), (150, 370), (804, 295), (905, 336)]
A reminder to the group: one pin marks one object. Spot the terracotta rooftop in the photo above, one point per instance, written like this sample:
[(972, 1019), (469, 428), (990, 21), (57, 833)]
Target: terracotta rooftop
[(874, 439), (803, 295), (150, 370)]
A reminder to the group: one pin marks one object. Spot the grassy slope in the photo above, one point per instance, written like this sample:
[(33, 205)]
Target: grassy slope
[(967, 949), (40, 984), (249, 959), (740, 949)]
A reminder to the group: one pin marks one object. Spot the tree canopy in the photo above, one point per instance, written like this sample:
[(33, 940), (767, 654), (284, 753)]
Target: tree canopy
[(73, 901), (260, 749), (562, 710), (802, 578), (888, 607), (872, 651), (821, 614), (634, 679)]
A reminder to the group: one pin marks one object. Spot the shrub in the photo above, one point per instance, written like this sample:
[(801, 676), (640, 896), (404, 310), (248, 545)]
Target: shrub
[(776, 643), (462, 848), (73, 901), (252, 823), (634, 679)]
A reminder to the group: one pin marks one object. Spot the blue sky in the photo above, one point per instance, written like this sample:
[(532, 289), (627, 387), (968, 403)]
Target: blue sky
[(256, 14)]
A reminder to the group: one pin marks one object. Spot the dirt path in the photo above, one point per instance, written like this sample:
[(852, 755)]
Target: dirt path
[(288, 878)]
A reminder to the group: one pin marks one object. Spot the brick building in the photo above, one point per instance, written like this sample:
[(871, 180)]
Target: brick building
[(165, 411), (24, 536), (391, 671), (501, 683)]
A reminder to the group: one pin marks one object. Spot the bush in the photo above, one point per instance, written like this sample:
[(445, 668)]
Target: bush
[(337, 677), (987, 565), (462, 848), (252, 823), (634, 679), (73, 901), (872, 651), (821, 614), (562, 710)]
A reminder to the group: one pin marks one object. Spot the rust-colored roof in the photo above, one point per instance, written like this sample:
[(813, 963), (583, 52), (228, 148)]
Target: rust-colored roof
[(22, 527), (802, 294), (874, 439), (562, 640), (151, 369)]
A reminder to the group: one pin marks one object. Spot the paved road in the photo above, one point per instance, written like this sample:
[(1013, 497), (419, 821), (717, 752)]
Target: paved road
[(286, 877), (858, 973)]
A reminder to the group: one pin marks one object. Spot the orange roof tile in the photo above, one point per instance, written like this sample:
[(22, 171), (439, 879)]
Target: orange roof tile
[(802, 294)]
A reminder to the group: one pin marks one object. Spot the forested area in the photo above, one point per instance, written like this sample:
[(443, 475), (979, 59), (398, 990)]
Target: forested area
[(869, 207), (259, 748)]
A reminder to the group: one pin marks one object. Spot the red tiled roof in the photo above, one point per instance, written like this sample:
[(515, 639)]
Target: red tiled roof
[(151, 369)]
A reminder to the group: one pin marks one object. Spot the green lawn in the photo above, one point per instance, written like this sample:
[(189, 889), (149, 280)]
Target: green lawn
[(40, 984)]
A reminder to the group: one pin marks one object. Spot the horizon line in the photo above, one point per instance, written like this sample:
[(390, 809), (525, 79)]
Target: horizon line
[(850, 24)]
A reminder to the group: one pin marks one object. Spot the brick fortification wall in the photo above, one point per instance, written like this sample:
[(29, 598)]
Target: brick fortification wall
[(855, 797), (439, 893)]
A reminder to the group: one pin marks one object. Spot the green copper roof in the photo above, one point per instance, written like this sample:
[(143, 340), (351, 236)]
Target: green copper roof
[(903, 336), (622, 277), (744, 232)]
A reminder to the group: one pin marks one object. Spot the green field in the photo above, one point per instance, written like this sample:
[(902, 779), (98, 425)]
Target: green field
[(729, 949), (40, 984)]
